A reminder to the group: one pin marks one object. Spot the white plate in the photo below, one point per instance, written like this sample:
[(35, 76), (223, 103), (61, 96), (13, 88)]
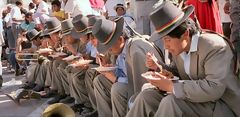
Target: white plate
[(81, 62), (58, 54), (61, 54), (102, 69), (72, 57), (149, 75), (44, 50)]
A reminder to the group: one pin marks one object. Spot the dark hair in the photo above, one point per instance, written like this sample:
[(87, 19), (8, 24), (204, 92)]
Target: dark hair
[(31, 5), (18, 3), (181, 29), (57, 3), (27, 16)]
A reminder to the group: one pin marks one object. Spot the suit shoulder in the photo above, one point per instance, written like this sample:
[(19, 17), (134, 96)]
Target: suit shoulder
[(212, 40)]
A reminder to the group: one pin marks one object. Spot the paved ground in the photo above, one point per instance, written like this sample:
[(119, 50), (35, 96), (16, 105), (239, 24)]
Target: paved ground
[(28, 108)]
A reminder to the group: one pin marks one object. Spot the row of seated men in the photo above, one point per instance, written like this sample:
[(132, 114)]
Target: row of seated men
[(202, 89)]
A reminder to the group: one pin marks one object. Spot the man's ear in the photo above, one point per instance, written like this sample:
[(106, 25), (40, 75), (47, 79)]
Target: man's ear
[(185, 35)]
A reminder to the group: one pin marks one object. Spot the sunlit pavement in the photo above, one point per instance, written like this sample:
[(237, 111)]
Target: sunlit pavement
[(27, 108)]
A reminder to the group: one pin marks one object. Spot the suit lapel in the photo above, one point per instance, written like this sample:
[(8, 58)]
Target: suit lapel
[(194, 65)]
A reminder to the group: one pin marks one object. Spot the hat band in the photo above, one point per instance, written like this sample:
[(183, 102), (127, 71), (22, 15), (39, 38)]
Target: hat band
[(66, 30), (54, 28), (167, 25), (80, 31), (111, 35)]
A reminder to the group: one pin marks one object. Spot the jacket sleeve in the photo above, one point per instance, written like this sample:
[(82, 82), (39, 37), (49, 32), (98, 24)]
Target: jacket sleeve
[(217, 66)]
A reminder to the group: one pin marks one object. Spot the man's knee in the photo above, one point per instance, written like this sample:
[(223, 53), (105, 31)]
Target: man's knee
[(168, 100), (118, 89)]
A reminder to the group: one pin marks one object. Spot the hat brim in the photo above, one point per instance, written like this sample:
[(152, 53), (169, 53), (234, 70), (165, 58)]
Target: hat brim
[(36, 36), (187, 12), (102, 48), (115, 8), (87, 31), (52, 31)]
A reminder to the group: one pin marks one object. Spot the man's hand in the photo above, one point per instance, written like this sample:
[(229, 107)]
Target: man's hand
[(101, 58), (109, 74), (163, 83), (227, 7), (149, 61)]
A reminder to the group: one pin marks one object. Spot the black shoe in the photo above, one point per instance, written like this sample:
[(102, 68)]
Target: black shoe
[(28, 86), (50, 93), (38, 88), (1, 81), (77, 107), (56, 99), (67, 100), (89, 112)]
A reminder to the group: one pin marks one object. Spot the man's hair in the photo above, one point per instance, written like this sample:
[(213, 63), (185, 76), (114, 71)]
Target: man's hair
[(31, 5), (57, 3), (18, 3), (181, 29)]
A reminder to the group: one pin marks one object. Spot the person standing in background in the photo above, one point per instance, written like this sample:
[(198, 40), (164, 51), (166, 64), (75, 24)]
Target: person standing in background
[(1, 44), (207, 14), (73, 8), (42, 13), (57, 12), (16, 19), (232, 7), (225, 18), (110, 4), (141, 10), (97, 7), (31, 7)]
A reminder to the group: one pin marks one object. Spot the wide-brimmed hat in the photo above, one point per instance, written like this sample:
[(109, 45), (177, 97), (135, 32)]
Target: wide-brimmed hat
[(52, 25), (107, 32), (120, 6), (92, 20), (58, 109), (80, 24), (167, 17), (66, 27), (33, 34)]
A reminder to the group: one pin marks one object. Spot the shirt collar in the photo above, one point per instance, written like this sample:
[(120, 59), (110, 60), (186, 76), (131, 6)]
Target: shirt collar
[(194, 42)]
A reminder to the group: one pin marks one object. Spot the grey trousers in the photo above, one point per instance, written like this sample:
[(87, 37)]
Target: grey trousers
[(111, 98), (49, 73), (41, 76), (150, 103), (15, 30), (58, 76), (78, 88), (119, 99), (32, 72), (102, 90), (89, 77)]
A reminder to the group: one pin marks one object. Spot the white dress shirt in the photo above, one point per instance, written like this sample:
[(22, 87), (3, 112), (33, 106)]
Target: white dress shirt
[(43, 8), (16, 13), (76, 7)]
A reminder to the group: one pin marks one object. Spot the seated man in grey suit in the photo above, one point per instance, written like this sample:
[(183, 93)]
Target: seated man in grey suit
[(204, 63), (114, 88)]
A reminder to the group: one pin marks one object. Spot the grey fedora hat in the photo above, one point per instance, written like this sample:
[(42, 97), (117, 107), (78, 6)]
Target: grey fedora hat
[(167, 17), (52, 25), (80, 24), (66, 27), (107, 32), (33, 34), (92, 20)]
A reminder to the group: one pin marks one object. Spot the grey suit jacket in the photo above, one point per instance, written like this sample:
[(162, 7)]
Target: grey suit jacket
[(211, 72), (137, 49)]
